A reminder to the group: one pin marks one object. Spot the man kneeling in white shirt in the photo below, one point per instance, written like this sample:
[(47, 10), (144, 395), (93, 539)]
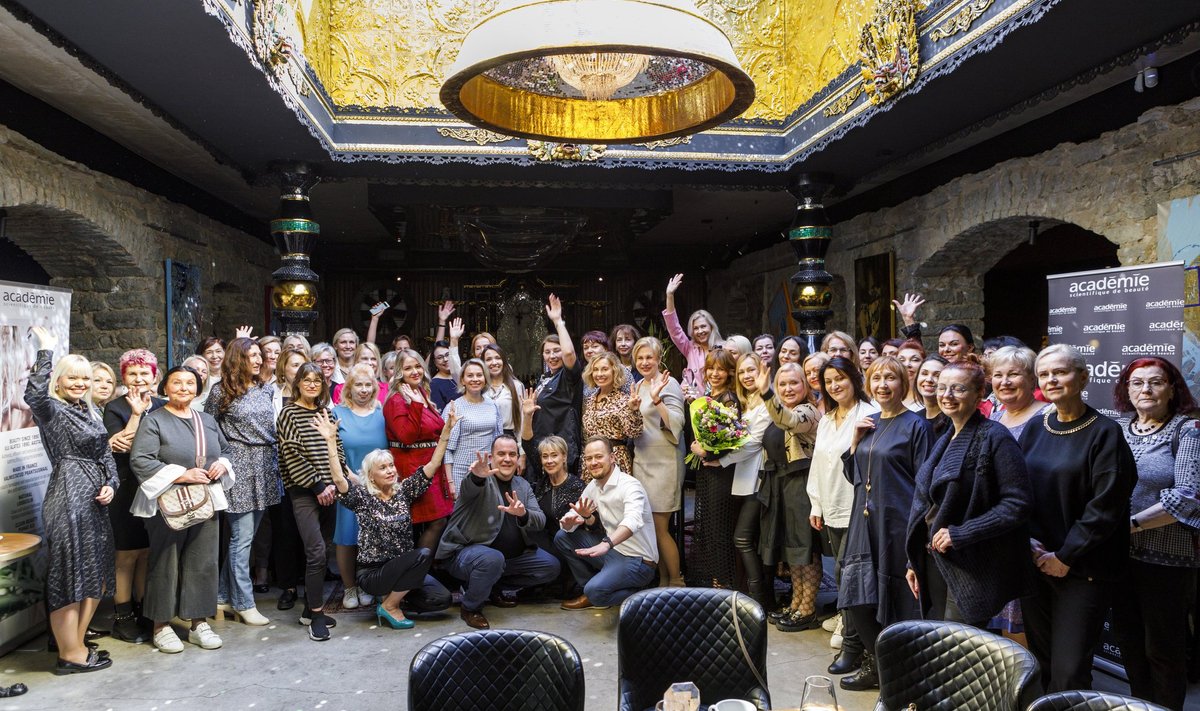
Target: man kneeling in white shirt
[(607, 537)]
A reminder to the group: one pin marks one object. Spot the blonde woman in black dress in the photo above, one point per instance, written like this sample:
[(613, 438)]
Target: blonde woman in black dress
[(79, 540)]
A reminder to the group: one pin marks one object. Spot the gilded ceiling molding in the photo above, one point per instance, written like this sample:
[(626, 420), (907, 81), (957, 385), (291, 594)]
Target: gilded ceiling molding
[(888, 50), (843, 102), (478, 136), (277, 42), (962, 21), (665, 143), (546, 151)]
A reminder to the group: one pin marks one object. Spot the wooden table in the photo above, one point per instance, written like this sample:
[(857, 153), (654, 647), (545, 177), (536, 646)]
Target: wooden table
[(18, 545)]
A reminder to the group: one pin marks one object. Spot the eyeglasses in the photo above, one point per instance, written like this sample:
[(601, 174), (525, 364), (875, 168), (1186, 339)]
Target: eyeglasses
[(312, 381), (442, 356), (955, 390), (1143, 384), (324, 361)]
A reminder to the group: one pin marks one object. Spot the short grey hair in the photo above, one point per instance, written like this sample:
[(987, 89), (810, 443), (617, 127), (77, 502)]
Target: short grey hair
[(1077, 361), (1020, 356)]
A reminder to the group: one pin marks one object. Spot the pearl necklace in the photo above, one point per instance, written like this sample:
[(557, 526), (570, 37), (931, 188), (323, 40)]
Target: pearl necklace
[(1073, 430)]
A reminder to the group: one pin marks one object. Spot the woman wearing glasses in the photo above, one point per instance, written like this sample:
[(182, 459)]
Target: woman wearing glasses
[(968, 543), (1150, 613)]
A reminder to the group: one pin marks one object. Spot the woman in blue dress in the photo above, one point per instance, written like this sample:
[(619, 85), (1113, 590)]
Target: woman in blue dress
[(362, 429)]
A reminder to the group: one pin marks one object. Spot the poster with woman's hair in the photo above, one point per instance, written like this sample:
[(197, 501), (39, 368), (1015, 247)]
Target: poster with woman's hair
[(24, 467)]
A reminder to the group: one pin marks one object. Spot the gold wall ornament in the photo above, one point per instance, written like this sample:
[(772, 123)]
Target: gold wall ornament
[(478, 136), (844, 102), (888, 50), (667, 143), (549, 150), (510, 74), (278, 41), (962, 20)]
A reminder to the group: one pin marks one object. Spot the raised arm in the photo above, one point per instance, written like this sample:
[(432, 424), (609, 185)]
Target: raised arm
[(443, 314), (554, 312)]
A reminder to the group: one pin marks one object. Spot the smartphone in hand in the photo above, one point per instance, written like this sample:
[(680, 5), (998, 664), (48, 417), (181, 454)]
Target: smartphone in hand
[(380, 308)]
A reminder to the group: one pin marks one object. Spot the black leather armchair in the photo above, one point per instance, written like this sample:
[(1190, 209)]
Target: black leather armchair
[(496, 670), (943, 666), (667, 635), (1091, 701)]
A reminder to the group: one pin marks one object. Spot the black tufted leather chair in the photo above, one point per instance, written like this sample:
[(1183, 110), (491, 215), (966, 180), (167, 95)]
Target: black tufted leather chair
[(943, 666), (1091, 701), (667, 635), (496, 670)]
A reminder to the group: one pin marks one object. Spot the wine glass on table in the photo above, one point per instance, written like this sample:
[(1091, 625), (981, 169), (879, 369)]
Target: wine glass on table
[(818, 695)]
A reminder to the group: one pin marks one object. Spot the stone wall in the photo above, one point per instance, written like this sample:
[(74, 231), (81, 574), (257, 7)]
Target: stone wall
[(947, 239), (107, 240)]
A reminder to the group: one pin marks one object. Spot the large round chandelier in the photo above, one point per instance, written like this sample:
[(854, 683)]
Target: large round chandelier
[(596, 71)]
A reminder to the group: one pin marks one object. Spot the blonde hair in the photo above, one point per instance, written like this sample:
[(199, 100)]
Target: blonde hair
[(714, 337), (361, 370), (342, 332), (462, 387), (741, 343), (73, 364), (619, 374), (844, 338), (798, 370), (748, 399), (891, 364), (398, 377), (554, 442), (374, 349), (648, 342), (373, 459)]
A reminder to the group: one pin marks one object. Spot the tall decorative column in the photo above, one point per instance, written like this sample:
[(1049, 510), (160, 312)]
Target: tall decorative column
[(294, 296), (809, 235)]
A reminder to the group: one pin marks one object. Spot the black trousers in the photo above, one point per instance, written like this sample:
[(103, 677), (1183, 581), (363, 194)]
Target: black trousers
[(404, 572), (851, 640), (1063, 621), (1150, 619), (315, 524), (865, 624), (745, 541)]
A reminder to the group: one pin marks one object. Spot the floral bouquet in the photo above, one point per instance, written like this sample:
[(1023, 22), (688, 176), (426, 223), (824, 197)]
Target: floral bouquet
[(717, 428)]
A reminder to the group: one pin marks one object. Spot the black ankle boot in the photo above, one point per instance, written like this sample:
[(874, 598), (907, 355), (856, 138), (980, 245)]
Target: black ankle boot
[(125, 624), (846, 663), (865, 679)]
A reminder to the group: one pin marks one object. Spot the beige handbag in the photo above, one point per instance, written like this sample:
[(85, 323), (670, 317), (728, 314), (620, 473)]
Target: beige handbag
[(185, 505)]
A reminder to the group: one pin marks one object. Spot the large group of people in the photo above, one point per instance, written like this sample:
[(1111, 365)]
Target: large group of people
[(968, 485)]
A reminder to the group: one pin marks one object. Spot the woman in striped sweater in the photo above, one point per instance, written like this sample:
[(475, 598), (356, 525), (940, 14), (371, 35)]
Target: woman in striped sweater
[(304, 465)]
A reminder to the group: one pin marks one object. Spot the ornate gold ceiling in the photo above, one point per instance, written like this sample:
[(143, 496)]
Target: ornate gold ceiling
[(393, 54)]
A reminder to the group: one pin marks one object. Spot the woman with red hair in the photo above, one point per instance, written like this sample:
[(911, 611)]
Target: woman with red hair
[(1151, 611)]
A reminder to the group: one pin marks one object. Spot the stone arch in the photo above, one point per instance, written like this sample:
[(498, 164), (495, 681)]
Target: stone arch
[(114, 299), (953, 276)]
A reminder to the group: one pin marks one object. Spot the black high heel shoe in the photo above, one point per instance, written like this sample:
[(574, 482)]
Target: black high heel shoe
[(94, 662)]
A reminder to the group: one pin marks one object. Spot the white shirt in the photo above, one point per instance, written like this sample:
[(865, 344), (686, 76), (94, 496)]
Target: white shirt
[(748, 458), (503, 399), (623, 502), (831, 495)]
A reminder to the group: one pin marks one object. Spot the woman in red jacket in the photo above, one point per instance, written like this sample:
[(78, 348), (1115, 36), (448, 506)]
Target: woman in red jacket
[(413, 428)]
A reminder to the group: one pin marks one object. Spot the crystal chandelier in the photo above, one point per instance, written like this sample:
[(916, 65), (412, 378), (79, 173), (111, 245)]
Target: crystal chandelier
[(598, 75), (596, 71)]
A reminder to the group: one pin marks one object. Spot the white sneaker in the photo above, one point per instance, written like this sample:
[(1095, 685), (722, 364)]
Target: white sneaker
[(203, 637), (364, 599), (252, 617), (165, 640), (836, 640), (831, 623), (350, 598)]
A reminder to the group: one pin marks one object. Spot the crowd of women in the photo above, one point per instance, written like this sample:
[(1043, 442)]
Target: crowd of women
[(968, 485)]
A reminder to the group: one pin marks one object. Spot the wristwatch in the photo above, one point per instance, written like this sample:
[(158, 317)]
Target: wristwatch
[(1133, 523), (607, 540)]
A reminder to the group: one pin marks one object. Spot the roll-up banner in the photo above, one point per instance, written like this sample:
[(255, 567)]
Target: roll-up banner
[(1114, 316), (24, 467)]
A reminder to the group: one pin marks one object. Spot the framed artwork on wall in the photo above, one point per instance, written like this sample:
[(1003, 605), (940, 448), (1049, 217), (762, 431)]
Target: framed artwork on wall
[(779, 312), (184, 310), (874, 289)]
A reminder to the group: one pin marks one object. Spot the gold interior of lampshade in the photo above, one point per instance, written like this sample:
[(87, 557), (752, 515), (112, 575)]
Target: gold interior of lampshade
[(294, 296), (597, 71)]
